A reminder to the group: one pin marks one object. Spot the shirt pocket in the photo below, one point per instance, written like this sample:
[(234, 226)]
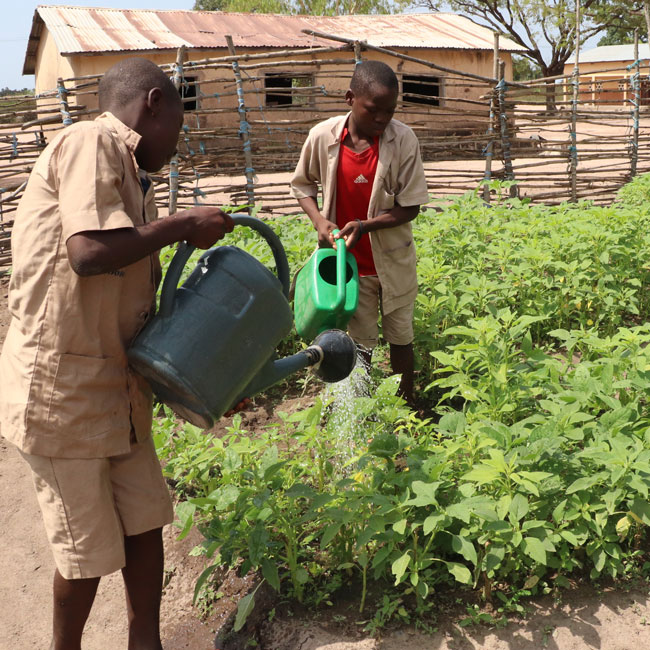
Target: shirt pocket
[(89, 397), (385, 199)]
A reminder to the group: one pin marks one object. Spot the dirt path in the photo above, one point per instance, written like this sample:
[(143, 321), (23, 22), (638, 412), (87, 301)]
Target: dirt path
[(586, 619)]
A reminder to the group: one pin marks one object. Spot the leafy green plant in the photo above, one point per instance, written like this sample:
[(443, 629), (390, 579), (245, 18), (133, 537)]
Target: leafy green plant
[(533, 465)]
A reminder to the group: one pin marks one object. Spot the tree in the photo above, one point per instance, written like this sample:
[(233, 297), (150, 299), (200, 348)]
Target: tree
[(624, 19), (308, 7), (546, 28), (524, 69)]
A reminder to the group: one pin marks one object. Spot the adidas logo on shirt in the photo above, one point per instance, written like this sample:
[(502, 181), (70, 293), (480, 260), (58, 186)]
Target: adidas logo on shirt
[(360, 179)]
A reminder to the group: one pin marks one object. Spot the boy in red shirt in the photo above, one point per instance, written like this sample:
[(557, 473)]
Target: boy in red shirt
[(369, 167)]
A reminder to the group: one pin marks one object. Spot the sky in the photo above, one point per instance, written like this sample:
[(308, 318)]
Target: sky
[(17, 22)]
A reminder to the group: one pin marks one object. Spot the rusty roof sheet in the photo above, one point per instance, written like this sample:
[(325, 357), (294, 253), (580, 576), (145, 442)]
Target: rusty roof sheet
[(91, 30)]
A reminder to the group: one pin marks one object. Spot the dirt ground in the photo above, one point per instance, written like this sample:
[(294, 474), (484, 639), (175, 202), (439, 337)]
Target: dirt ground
[(585, 618)]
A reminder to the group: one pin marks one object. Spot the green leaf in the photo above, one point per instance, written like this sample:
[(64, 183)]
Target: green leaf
[(482, 474), (460, 511), (453, 423), (205, 574), (425, 494), (431, 523), (570, 537), (400, 526), (584, 483), (641, 510), (270, 573), (300, 490), (518, 508), (185, 513), (330, 533), (534, 549), (245, 607), (399, 566), (464, 547), (460, 572)]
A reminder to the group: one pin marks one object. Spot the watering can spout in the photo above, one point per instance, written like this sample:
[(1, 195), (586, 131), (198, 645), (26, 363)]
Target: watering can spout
[(332, 356)]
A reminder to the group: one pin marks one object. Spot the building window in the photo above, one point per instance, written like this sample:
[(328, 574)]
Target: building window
[(282, 89), (421, 89), (188, 91)]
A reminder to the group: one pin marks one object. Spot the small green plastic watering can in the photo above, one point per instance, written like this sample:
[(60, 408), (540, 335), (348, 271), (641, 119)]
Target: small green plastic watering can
[(327, 291)]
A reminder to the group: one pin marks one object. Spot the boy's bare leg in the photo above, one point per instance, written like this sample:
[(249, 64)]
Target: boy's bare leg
[(401, 361), (143, 578), (73, 600)]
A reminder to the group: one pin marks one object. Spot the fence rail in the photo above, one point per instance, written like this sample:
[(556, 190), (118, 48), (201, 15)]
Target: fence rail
[(559, 139)]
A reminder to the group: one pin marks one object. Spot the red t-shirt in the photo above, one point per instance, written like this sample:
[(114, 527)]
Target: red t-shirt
[(354, 178)]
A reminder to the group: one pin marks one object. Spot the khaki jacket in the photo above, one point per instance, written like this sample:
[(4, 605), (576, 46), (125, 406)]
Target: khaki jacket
[(65, 388), (399, 179)]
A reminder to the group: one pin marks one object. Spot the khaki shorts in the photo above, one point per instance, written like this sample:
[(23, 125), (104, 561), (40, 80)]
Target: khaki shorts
[(89, 505), (396, 326)]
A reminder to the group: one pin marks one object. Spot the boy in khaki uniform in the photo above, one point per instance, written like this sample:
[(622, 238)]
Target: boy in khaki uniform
[(373, 184), (83, 284)]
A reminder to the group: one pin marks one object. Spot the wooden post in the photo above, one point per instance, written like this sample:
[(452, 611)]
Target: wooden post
[(489, 147), (575, 80), (636, 102), (62, 94), (502, 88), (357, 52), (177, 80), (244, 131)]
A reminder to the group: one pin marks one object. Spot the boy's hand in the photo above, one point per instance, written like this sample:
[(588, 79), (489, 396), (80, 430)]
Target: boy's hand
[(350, 234), (324, 228), (206, 225)]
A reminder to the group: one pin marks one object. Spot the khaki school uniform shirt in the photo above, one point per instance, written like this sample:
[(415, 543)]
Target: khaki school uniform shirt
[(399, 179), (65, 388)]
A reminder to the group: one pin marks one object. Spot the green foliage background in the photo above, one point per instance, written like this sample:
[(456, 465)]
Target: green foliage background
[(533, 463)]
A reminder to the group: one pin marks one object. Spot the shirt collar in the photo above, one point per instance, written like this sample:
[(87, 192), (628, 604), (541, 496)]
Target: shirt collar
[(130, 138)]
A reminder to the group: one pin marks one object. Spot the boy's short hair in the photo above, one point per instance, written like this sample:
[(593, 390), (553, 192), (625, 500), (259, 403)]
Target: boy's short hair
[(368, 73), (131, 78)]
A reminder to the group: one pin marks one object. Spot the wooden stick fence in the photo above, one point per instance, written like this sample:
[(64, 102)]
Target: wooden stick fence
[(247, 116)]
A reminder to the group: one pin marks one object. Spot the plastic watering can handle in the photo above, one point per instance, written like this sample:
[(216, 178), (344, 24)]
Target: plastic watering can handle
[(184, 251), (341, 268)]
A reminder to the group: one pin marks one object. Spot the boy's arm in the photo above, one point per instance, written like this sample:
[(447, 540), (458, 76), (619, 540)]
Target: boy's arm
[(396, 216), (304, 188), (93, 252)]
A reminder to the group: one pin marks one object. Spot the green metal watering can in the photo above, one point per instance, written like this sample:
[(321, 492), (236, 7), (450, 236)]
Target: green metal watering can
[(213, 340), (327, 291)]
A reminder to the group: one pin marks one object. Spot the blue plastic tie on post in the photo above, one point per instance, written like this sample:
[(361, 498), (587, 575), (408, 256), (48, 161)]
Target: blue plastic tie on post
[(202, 147), (14, 143), (67, 119)]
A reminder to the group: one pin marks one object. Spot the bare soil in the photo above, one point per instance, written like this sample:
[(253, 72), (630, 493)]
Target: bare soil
[(585, 617)]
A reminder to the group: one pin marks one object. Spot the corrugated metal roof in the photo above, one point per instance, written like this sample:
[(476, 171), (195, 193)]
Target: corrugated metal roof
[(90, 30), (609, 53)]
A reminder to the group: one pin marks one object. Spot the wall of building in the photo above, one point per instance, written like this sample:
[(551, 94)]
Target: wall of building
[(608, 82)]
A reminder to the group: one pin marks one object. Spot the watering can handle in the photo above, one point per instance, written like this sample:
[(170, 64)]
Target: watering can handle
[(341, 275), (185, 250)]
